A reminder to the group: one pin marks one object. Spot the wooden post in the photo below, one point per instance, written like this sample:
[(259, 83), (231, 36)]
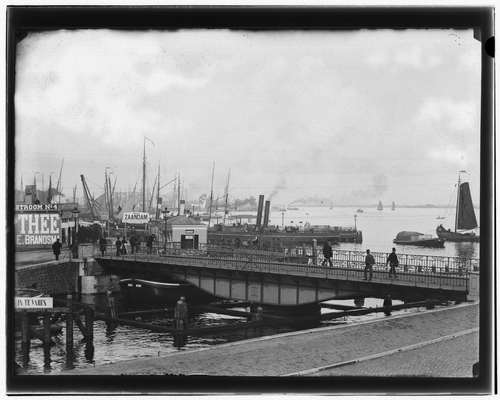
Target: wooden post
[(46, 340), (69, 331), (89, 324), (26, 339)]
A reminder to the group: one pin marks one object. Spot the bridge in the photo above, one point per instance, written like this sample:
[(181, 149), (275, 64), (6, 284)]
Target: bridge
[(271, 279)]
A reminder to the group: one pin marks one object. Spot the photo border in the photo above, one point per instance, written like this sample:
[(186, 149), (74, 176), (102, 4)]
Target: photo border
[(24, 19)]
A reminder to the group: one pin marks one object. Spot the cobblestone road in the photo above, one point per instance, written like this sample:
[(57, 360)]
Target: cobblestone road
[(297, 351), (449, 358)]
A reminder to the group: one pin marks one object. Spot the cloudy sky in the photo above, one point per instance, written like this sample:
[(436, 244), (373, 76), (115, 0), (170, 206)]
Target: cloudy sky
[(354, 116)]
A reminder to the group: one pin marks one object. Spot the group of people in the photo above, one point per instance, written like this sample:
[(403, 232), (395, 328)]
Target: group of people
[(392, 261)]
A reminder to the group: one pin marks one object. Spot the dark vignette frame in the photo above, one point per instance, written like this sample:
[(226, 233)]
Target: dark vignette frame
[(21, 20)]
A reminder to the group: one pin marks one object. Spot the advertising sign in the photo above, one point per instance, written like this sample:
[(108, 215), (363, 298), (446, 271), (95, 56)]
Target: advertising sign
[(135, 218), (37, 228), (34, 302)]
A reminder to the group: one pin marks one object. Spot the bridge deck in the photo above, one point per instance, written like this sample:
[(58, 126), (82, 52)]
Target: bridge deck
[(349, 271)]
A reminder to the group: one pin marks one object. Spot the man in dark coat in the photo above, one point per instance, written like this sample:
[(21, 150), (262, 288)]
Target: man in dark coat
[(56, 248), (393, 261), (118, 245), (327, 253), (369, 262), (132, 244), (102, 245)]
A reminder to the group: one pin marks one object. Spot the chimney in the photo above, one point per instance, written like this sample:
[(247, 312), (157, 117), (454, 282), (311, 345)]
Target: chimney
[(259, 210), (182, 206), (266, 213)]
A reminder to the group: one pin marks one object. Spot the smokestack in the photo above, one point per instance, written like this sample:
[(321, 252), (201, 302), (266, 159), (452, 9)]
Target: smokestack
[(266, 213), (259, 210), (182, 206)]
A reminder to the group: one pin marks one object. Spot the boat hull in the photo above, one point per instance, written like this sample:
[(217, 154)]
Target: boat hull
[(456, 236), (438, 243), (138, 291)]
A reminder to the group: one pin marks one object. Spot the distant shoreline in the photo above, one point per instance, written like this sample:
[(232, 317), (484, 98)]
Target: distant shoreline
[(374, 206)]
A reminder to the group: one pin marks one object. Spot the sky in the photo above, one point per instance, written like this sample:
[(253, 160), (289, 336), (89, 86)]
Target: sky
[(355, 116)]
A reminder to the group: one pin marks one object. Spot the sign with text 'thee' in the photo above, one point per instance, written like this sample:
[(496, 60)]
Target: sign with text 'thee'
[(37, 228), (135, 218), (34, 302)]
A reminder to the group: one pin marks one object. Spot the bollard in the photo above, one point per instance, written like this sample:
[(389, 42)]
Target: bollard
[(26, 339), (387, 305), (111, 304), (69, 331), (46, 340)]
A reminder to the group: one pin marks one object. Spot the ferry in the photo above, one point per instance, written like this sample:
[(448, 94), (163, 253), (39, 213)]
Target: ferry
[(410, 238)]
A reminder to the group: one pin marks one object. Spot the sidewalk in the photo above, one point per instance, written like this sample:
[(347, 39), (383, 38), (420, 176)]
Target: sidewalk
[(297, 351)]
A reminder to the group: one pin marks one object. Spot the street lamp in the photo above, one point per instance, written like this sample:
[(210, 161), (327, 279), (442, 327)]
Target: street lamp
[(355, 218), (165, 211), (75, 213)]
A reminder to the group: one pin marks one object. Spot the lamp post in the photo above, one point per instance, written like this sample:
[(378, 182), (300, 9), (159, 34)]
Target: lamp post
[(74, 248), (165, 211), (355, 218)]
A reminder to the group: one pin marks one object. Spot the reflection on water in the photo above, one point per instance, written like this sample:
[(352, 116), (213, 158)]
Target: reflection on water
[(465, 249)]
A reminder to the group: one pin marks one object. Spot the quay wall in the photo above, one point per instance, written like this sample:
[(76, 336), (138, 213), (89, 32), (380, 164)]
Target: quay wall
[(53, 277)]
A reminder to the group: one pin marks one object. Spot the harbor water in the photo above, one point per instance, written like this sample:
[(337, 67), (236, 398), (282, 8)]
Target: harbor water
[(118, 343)]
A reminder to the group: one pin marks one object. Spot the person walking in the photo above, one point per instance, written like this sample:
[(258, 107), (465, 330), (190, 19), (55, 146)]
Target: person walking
[(56, 248), (327, 253), (369, 262), (393, 261), (102, 245), (132, 244), (149, 243), (118, 245), (124, 248)]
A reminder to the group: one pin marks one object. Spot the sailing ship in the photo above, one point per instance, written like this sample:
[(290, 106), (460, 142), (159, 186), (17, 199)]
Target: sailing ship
[(465, 217), (380, 207)]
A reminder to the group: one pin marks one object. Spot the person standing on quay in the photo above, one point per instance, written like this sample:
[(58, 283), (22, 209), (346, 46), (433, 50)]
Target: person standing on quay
[(393, 261), (327, 254), (369, 262), (102, 245), (181, 313), (118, 245), (56, 248)]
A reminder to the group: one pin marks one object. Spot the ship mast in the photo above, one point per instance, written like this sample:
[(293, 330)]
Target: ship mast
[(457, 210), (144, 176), (211, 195), (226, 197), (157, 214)]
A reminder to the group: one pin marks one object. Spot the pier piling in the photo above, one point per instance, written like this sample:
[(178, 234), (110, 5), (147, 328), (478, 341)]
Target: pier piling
[(69, 331), (46, 340), (25, 339)]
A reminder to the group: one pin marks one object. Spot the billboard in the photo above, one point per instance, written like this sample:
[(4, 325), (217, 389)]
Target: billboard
[(135, 218), (38, 227)]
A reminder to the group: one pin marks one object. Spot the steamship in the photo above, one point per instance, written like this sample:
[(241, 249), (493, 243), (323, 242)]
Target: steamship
[(263, 236)]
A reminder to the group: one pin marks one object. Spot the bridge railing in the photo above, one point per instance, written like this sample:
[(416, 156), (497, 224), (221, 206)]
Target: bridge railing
[(414, 270)]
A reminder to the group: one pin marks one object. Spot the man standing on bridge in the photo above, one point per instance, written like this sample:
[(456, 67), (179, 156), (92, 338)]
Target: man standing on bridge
[(118, 245), (394, 262), (369, 262), (327, 254), (56, 248)]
